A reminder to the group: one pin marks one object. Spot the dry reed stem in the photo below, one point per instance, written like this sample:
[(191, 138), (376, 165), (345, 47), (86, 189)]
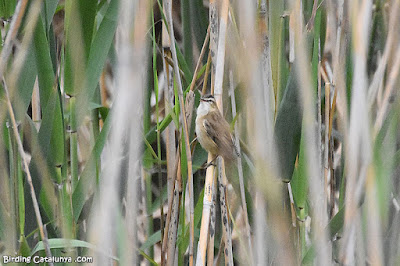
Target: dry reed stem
[(210, 244), (169, 102), (326, 150), (331, 157), (172, 155), (217, 260), (226, 233), (172, 238), (176, 174), (220, 56), (202, 53), (184, 129), (338, 80), (319, 114), (218, 90), (190, 95), (205, 81), (213, 18), (211, 235), (173, 158), (310, 23), (170, 130), (173, 226), (205, 218), (217, 68)]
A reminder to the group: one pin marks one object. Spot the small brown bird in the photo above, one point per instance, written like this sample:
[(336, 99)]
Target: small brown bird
[(212, 130)]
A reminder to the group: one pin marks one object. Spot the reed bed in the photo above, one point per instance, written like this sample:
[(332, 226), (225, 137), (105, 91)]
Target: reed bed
[(99, 161)]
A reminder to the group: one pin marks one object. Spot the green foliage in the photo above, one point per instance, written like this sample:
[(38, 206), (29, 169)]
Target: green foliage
[(7, 8), (288, 128)]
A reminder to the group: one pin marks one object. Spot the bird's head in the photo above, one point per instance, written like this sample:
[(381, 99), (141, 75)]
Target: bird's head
[(208, 101)]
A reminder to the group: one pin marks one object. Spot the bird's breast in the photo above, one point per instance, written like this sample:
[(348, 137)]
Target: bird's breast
[(204, 139)]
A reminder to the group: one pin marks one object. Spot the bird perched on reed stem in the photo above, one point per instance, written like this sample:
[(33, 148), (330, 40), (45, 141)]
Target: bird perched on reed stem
[(212, 130)]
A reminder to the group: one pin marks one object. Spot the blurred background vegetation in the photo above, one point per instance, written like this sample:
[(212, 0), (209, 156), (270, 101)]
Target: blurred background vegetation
[(98, 155)]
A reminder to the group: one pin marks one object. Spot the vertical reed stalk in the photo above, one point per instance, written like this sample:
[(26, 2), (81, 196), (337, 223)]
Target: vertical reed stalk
[(184, 129)]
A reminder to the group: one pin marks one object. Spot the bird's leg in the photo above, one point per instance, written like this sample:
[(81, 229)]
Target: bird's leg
[(212, 162)]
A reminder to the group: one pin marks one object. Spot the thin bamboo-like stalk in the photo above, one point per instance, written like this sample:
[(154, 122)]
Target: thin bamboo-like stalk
[(226, 234), (218, 90), (319, 113), (172, 155), (333, 209), (338, 80), (219, 69), (202, 53), (177, 172), (310, 23), (73, 142), (326, 150), (169, 102), (190, 95), (32, 17), (213, 18), (158, 132), (318, 200), (173, 213), (211, 235), (173, 225), (74, 60), (11, 190), (42, 229), (205, 218), (220, 57), (184, 129), (143, 201), (204, 89)]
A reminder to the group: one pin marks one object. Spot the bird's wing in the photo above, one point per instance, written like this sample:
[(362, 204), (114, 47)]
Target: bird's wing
[(219, 131), (211, 130)]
